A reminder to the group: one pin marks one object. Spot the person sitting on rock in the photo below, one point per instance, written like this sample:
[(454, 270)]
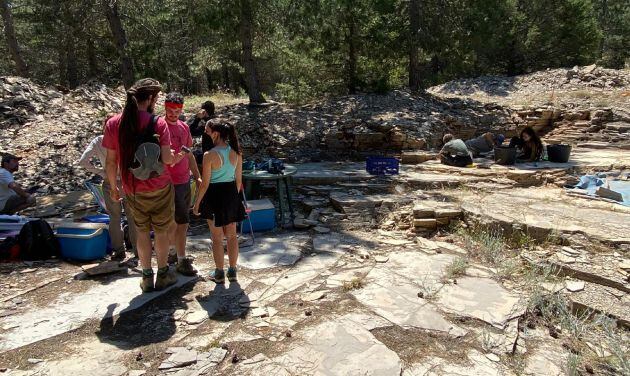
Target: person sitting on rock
[(530, 145), (454, 152), (96, 150), (484, 143), (13, 198)]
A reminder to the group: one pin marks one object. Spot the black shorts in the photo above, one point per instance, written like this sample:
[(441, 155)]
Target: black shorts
[(223, 204), (182, 203)]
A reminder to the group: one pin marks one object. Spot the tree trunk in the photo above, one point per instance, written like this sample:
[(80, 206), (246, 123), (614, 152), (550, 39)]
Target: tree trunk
[(110, 7), (9, 32), (62, 63), (91, 57), (352, 49), (247, 56), (415, 79), (71, 62)]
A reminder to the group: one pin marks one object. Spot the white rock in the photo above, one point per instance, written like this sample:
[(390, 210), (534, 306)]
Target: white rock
[(574, 286)]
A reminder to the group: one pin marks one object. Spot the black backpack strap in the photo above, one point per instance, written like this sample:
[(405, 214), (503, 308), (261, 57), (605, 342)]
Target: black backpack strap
[(151, 127)]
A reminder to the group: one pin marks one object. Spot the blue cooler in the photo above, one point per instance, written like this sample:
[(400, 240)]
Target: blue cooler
[(262, 216), (82, 241)]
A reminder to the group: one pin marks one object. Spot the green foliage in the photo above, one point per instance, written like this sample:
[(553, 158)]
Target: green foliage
[(309, 49)]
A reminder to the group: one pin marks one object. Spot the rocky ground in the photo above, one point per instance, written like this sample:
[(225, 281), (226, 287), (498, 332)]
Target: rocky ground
[(491, 270)]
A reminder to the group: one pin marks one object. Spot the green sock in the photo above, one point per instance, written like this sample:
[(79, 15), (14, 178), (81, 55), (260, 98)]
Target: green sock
[(163, 270), (147, 272)]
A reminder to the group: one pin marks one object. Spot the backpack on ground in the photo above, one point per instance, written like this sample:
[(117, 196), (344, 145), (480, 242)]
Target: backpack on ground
[(38, 242)]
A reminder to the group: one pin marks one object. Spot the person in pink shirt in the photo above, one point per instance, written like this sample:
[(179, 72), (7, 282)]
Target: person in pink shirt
[(130, 139), (180, 175)]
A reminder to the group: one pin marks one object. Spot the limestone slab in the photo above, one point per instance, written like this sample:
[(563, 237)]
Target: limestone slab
[(69, 312), (480, 298), (270, 252), (475, 364), (398, 302), (340, 347)]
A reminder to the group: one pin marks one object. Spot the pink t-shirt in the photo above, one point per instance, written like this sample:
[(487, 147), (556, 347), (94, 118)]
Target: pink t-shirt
[(180, 136), (110, 141)]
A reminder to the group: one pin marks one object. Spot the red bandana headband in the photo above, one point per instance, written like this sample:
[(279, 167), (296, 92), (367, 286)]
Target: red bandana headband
[(173, 105)]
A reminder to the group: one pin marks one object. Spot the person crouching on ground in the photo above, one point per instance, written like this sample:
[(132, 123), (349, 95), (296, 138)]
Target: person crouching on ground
[(180, 175), (13, 198), (218, 200), (530, 144), (148, 186), (96, 150), (454, 152), (484, 143)]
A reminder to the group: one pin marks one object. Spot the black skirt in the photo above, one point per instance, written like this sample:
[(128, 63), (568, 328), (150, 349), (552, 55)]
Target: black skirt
[(223, 204)]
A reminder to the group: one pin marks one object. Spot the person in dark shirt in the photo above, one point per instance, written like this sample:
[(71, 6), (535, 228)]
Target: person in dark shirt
[(530, 145), (197, 125)]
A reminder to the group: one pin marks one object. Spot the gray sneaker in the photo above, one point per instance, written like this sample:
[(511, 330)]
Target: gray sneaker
[(165, 279)]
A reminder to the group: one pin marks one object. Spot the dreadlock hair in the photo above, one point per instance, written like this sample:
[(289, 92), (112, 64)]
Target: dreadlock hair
[(129, 127), (227, 132)]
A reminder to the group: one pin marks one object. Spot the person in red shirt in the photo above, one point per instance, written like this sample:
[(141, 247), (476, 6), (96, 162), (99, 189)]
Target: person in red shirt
[(146, 183), (181, 140)]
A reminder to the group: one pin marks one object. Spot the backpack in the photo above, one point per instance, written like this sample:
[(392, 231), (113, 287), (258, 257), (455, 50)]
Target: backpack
[(37, 241), (147, 164)]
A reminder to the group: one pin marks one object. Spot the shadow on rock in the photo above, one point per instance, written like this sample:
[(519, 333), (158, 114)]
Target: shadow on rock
[(225, 304), (152, 323)]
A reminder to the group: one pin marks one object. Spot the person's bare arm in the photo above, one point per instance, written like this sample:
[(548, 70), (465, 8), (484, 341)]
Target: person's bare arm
[(86, 161), (18, 190), (239, 172), (111, 169), (192, 163), (205, 180), (489, 137)]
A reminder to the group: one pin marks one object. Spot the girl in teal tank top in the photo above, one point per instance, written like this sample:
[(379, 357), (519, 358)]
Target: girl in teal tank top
[(227, 172), (219, 198)]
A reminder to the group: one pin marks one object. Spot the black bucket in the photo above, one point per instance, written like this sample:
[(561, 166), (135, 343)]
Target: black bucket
[(505, 155), (558, 153)]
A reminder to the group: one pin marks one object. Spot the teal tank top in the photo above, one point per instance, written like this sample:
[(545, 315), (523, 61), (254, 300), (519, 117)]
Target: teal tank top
[(227, 172)]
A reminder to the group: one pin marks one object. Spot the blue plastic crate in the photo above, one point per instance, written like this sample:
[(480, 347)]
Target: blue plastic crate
[(82, 241), (262, 216), (382, 166)]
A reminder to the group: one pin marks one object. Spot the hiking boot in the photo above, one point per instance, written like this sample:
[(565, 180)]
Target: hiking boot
[(218, 276), (147, 283), (118, 255), (185, 267), (231, 274), (165, 279), (172, 258)]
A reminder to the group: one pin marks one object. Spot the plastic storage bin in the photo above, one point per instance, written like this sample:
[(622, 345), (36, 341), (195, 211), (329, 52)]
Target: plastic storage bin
[(382, 166), (505, 155), (262, 216), (82, 241), (559, 153)]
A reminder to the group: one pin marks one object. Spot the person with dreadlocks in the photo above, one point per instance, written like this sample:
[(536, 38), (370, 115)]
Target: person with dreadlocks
[(181, 139), (138, 145), (218, 200)]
